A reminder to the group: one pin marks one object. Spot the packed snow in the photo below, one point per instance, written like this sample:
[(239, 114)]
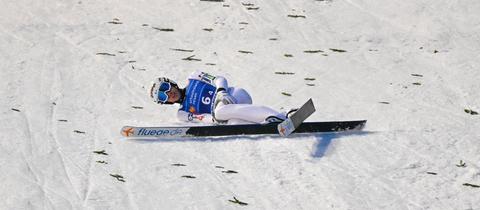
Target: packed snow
[(74, 72)]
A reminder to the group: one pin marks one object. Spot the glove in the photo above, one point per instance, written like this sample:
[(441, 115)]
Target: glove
[(224, 97)]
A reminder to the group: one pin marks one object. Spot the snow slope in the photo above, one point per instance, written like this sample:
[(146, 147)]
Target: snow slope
[(74, 72)]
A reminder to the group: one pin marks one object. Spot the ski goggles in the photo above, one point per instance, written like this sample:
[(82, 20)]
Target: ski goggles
[(162, 95)]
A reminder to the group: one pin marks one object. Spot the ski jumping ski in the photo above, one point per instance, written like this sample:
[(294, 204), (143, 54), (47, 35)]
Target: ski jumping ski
[(293, 124), (235, 130)]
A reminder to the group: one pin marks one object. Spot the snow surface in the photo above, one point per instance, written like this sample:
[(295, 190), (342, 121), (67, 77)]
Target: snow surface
[(73, 72)]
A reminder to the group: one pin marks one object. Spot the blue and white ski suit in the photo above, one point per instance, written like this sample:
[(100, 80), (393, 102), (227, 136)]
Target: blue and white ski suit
[(203, 102)]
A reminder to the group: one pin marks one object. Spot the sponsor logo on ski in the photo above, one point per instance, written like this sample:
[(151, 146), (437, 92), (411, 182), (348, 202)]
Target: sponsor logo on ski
[(127, 131), (159, 132)]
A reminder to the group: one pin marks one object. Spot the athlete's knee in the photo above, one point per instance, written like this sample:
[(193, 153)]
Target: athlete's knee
[(241, 95)]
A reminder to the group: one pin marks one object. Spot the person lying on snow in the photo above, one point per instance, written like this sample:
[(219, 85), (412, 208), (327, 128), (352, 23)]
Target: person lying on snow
[(208, 98)]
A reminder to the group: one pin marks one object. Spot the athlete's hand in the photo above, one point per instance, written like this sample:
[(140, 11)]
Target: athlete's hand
[(224, 97)]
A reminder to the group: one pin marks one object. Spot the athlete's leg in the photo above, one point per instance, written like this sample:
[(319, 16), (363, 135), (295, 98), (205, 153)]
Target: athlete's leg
[(246, 112), (241, 96)]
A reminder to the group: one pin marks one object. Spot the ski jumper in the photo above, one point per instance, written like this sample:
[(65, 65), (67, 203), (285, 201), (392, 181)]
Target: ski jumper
[(200, 96)]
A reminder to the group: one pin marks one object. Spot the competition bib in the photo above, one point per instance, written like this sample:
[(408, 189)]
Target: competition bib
[(199, 97)]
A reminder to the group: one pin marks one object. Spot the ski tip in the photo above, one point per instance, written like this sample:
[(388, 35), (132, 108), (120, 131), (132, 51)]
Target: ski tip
[(361, 125)]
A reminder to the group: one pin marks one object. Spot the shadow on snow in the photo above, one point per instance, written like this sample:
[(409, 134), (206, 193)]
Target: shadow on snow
[(324, 140)]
